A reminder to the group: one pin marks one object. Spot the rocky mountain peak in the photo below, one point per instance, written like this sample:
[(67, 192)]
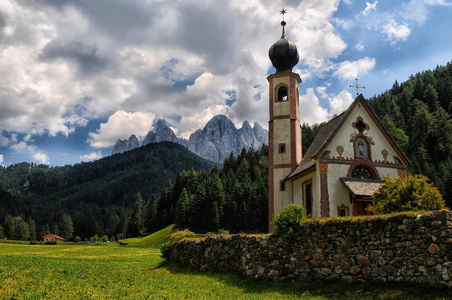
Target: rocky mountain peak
[(215, 141)]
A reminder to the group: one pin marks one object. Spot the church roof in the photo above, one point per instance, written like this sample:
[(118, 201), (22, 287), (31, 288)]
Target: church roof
[(326, 134), (362, 187)]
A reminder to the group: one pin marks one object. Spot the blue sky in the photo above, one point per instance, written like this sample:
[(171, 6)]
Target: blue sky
[(76, 75)]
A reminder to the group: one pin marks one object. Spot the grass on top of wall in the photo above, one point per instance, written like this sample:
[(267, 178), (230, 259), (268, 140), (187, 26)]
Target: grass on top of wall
[(358, 219)]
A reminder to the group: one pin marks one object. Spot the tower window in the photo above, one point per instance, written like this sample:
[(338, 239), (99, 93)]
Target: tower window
[(282, 148), (282, 186), (282, 94)]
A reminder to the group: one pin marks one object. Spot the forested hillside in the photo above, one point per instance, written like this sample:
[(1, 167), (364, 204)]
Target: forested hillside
[(235, 198), (97, 196), (417, 113)]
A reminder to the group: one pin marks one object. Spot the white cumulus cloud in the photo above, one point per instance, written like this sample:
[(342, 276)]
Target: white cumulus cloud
[(310, 110), (121, 125), (370, 7), (92, 156), (352, 69), (395, 32), (1, 158), (41, 158), (340, 103)]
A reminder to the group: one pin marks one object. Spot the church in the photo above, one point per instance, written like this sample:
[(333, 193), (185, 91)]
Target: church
[(344, 165)]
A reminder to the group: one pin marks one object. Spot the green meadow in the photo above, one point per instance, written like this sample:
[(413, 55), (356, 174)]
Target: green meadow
[(109, 271)]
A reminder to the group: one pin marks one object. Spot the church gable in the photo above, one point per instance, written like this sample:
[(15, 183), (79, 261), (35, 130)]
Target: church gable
[(361, 137)]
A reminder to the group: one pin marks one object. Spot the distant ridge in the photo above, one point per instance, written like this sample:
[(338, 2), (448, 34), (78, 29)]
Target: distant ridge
[(214, 142)]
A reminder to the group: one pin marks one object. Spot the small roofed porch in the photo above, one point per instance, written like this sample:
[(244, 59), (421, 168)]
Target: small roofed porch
[(361, 192)]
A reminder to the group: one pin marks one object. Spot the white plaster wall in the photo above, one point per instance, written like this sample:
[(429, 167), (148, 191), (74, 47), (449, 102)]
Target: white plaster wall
[(281, 134), (281, 198), (343, 138), (388, 172), (337, 191)]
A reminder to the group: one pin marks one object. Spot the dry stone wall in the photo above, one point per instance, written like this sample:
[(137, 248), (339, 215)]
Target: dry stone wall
[(409, 249)]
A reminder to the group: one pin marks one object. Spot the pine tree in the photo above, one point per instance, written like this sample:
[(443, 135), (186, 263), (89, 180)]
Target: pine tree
[(32, 225), (9, 227), (181, 211), (135, 223), (150, 215)]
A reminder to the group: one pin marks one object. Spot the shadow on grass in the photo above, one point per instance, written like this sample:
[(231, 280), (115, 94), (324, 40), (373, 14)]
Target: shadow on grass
[(318, 290)]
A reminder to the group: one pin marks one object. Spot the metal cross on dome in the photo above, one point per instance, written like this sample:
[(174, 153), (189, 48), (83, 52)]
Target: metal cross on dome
[(357, 86)]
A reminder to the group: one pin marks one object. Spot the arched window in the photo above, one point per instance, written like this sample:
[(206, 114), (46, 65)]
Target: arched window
[(362, 173), (282, 94)]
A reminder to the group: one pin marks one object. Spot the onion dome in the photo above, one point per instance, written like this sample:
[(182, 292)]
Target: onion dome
[(283, 54)]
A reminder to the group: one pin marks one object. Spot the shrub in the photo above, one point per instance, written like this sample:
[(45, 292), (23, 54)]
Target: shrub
[(166, 250), (181, 234), (287, 221), (223, 232), (77, 239), (405, 194)]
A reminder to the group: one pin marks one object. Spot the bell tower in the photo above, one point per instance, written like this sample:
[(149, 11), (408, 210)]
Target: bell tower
[(284, 129)]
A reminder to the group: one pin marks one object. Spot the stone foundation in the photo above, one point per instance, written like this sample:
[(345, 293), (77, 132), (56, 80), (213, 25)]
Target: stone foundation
[(410, 249)]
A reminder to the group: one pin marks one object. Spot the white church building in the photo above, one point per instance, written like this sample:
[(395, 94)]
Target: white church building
[(345, 163)]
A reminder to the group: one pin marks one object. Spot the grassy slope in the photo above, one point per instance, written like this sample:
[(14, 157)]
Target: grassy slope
[(106, 272), (155, 240)]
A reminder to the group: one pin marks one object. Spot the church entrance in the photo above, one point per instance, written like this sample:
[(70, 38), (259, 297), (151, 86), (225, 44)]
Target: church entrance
[(360, 207)]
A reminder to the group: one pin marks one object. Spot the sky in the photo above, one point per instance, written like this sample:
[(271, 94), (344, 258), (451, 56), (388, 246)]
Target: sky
[(77, 75)]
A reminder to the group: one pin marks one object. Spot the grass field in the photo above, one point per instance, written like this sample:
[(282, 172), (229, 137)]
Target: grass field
[(155, 240), (113, 272)]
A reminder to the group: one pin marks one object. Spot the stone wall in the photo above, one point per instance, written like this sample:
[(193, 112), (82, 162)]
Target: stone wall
[(402, 248)]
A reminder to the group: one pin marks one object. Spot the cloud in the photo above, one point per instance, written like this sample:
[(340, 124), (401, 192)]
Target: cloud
[(86, 57), (359, 46), (310, 110), (1, 159), (92, 156), (370, 7), (322, 91), (41, 158), (22, 146), (352, 69), (4, 141), (121, 125), (396, 32), (340, 103)]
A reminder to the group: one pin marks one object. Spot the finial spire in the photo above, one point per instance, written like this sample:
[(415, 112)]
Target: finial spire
[(283, 23), (357, 86)]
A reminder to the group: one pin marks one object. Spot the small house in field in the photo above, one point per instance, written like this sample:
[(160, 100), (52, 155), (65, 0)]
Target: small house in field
[(52, 238)]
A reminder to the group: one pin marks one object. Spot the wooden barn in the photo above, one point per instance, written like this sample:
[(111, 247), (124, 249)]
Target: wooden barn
[(52, 238)]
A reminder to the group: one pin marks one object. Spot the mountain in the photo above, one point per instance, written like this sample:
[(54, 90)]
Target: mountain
[(126, 145), (220, 137), (214, 142), (163, 134)]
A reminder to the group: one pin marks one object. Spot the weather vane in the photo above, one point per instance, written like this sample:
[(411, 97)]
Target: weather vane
[(283, 23), (357, 86), (282, 12)]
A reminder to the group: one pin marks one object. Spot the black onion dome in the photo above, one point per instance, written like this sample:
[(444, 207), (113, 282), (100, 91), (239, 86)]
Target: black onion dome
[(283, 54)]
